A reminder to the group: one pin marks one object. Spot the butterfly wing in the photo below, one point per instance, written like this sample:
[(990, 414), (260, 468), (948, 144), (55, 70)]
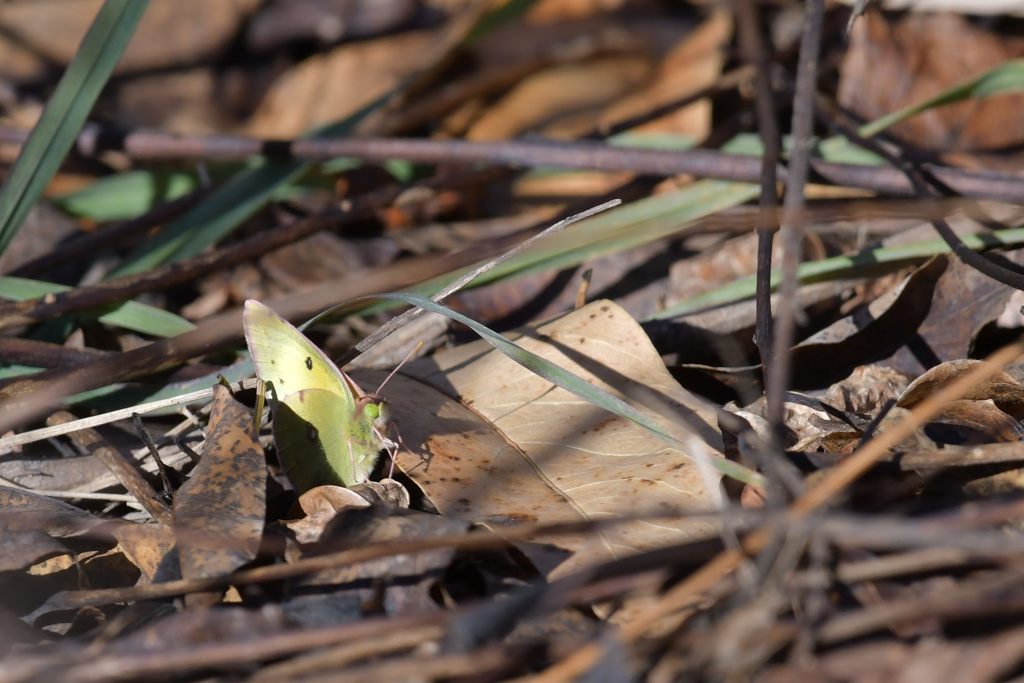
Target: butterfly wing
[(320, 441), (286, 360), (321, 428)]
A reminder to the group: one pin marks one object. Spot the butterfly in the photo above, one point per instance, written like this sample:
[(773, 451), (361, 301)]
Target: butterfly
[(327, 430)]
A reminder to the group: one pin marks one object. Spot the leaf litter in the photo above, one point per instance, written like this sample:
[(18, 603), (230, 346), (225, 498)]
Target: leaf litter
[(523, 530)]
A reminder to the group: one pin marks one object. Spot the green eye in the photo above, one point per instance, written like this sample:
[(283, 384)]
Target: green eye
[(372, 410)]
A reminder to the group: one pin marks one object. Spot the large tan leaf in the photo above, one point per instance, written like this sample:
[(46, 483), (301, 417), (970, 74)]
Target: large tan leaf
[(515, 448)]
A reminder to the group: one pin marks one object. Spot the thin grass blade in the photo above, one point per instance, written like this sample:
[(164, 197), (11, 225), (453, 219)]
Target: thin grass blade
[(129, 315), (571, 382), (66, 112)]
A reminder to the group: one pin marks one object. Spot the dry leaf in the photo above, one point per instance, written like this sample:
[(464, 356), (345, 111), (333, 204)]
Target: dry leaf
[(1002, 388), (219, 511), (694, 64), (517, 449), (147, 546), (321, 504), (327, 21), (972, 422), (541, 99), (23, 510), (330, 86), (895, 61), (866, 389), (168, 34)]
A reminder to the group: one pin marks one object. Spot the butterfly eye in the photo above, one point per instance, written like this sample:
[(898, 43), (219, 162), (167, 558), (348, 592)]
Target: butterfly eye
[(372, 410)]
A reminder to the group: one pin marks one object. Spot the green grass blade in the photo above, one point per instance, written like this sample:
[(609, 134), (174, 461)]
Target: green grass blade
[(570, 382), (1005, 78), (129, 315), (66, 111), (865, 263), (213, 219)]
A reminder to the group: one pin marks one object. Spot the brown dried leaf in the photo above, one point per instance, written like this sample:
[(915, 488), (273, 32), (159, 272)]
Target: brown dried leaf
[(21, 548), (695, 63), (23, 510), (147, 545), (894, 61), (321, 504), (323, 257), (517, 449), (953, 320), (167, 36), (716, 265), (561, 91), (29, 523), (44, 227), (968, 422), (327, 21), (922, 323), (866, 389), (219, 511), (1005, 391), (330, 86)]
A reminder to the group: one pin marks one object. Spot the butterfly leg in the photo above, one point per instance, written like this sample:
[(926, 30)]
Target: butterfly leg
[(389, 445)]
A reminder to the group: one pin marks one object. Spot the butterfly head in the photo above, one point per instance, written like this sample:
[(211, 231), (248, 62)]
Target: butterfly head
[(376, 411)]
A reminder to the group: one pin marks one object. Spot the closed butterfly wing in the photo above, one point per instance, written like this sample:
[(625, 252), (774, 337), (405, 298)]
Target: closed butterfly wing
[(321, 441), (326, 431), (286, 360)]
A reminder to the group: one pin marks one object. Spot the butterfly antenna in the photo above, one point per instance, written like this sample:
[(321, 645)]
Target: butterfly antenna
[(408, 356)]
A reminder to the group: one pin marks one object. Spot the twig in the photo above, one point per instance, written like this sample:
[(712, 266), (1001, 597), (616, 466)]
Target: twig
[(81, 495), (12, 441), (689, 591), (997, 594), (111, 235), (791, 233), (703, 163), (121, 467), (749, 22)]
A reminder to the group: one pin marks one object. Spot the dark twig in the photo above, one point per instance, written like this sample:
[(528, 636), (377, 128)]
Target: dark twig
[(791, 233), (876, 421), (703, 163), (927, 186), (40, 354), (118, 289), (110, 236), (749, 23), (122, 467), (161, 467)]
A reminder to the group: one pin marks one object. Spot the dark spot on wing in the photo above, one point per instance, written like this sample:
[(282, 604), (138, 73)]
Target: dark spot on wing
[(309, 363)]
